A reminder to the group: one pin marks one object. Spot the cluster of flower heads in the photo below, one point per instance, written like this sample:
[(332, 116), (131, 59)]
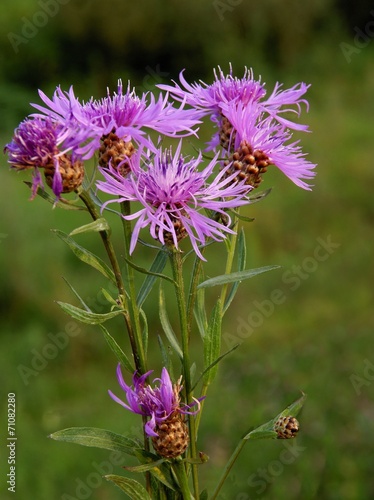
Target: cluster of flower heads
[(177, 194)]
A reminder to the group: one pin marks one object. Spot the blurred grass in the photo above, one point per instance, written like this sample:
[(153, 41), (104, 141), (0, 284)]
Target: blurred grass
[(314, 341)]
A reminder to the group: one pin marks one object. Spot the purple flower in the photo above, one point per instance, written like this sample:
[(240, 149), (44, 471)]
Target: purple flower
[(41, 143), (159, 402), (174, 195), (227, 89), (126, 114), (267, 143)]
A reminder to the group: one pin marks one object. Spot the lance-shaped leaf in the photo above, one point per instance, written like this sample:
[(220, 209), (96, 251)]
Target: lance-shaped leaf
[(159, 469), (217, 360), (212, 344), (242, 257), (97, 225), (234, 277), (61, 203), (170, 335), (266, 430), (97, 438), (121, 356), (259, 195), (86, 256), (157, 267), (87, 317), (131, 487)]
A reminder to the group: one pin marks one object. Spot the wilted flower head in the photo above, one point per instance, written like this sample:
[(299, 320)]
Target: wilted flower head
[(42, 143), (158, 402), (227, 89), (174, 194), (257, 142), (161, 402)]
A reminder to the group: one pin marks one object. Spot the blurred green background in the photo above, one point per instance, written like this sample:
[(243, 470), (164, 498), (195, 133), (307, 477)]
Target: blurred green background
[(318, 340)]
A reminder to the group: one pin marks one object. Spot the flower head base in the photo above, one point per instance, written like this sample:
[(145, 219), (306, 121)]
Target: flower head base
[(260, 141), (162, 404), (173, 194), (42, 143)]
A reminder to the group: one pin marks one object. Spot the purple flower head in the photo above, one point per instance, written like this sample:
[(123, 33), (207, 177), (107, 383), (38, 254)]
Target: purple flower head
[(158, 402), (224, 89), (269, 141), (126, 114), (173, 194), (40, 143), (227, 90)]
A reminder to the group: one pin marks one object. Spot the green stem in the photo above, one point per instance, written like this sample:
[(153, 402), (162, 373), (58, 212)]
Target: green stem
[(139, 353), (86, 198), (127, 299), (228, 468), (176, 264), (231, 243), (192, 291), (229, 262), (140, 361), (105, 237), (180, 472)]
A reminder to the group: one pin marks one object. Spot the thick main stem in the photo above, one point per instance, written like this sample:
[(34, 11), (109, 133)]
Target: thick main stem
[(133, 308), (228, 467), (176, 263), (85, 197)]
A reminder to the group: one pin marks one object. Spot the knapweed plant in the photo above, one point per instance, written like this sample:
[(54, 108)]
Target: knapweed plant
[(175, 206)]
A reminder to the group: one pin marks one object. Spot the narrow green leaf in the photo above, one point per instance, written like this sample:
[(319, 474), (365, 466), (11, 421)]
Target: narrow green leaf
[(87, 317), (145, 467), (159, 469), (293, 409), (120, 355), (242, 257), (200, 312), (214, 363), (77, 295), (131, 487), (157, 266), (259, 195), (61, 203), (95, 226), (266, 430), (86, 256), (241, 217), (261, 433), (150, 273), (165, 357), (238, 276), (109, 298), (212, 344), (170, 335), (203, 495), (97, 438), (145, 330)]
